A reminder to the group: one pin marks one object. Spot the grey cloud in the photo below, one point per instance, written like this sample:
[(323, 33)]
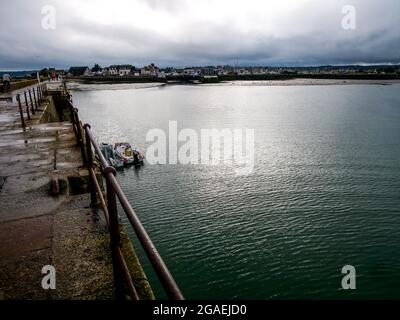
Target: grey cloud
[(311, 34)]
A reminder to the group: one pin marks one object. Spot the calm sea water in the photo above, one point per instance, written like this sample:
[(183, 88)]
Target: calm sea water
[(325, 191)]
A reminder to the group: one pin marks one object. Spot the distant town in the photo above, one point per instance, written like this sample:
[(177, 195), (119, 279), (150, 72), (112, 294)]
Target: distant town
[(151, 72)]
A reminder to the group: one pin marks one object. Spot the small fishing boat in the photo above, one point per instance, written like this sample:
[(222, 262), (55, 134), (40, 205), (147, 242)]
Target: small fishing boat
[(108, 152), (140, 157), (124, 152), (116, 163), (128, 155)]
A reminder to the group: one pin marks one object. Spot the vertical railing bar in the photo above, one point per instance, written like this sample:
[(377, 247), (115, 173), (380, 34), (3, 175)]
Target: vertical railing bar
[(89, 157), (21, 112), (115, 237), (127, 275), (155, 258), (30, 98), (71, 108), (158, 264), (114, 191), (27, 106), (35, 99), (39, 93), (79, 132), (100, 196)]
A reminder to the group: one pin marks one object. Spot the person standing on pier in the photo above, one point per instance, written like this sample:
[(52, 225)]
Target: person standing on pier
[(6, 82)]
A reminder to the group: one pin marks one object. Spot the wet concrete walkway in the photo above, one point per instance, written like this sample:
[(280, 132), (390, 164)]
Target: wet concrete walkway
[(39, 229)]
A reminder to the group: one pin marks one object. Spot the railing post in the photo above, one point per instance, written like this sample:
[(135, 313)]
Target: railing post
[(21, 112), (73, 122), (39, 92), (89, 157), (79, 134), (30, 98), (40, 87), (121, 272), (35, 99), (27, 106), (114, 232)]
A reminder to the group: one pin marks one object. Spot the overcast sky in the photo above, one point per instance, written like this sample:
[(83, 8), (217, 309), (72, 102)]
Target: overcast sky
[(197, 32)]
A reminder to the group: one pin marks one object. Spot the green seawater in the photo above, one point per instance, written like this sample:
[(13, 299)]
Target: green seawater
[(324, 193)]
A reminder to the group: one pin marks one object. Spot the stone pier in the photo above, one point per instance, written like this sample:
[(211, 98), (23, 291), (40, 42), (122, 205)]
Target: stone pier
[(47, 223)]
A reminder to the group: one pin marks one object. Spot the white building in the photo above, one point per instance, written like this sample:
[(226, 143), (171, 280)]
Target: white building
[(150, 70), (189, 72), (118, 70), (124, 70)]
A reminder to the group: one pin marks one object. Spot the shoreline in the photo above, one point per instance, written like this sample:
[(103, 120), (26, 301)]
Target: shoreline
[(80, 83), (312, 82)]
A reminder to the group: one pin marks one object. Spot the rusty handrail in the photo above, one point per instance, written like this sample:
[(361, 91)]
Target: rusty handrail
[(32, 103), (158, 263), (122, 277), (114, 191)]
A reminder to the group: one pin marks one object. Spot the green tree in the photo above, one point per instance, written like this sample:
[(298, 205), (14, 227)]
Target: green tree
[(44, 72), (96, 67)]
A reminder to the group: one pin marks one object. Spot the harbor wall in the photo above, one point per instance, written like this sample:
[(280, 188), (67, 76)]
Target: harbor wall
[(46, 216), (50, 113)]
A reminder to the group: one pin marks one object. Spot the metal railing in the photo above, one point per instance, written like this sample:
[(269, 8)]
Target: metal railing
[(122, 277), (37, 95)]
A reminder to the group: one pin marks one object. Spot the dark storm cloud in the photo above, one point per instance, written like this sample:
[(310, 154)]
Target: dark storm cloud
[(193, 32)]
